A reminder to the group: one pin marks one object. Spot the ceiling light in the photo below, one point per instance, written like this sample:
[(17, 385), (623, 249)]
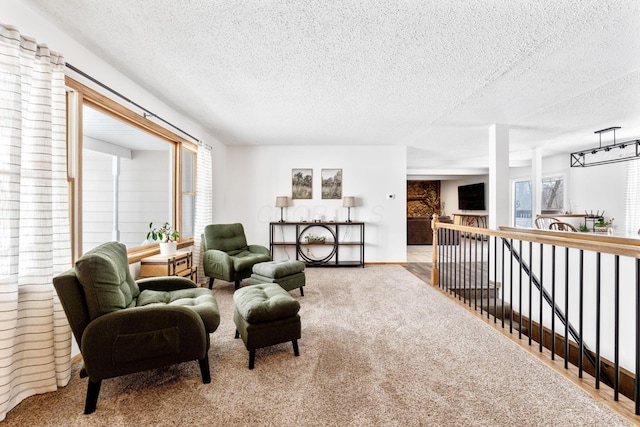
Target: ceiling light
[(630, 150)]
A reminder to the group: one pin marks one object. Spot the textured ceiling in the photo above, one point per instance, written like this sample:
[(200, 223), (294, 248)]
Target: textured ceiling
[(429, 74)]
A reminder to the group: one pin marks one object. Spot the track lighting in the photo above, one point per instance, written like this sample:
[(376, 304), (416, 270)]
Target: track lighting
[(629, 150)]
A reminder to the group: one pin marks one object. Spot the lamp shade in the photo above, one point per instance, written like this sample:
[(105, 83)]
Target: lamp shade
[(348, 202), (282, 202)]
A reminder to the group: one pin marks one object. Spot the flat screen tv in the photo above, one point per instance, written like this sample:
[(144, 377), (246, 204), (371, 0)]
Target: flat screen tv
[(471, 197)]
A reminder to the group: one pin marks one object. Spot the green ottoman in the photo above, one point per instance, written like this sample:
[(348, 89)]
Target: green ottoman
[(289, 274), (265, 314)]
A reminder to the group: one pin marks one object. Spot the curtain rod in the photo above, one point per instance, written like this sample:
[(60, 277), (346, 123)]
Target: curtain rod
[(146, 113)]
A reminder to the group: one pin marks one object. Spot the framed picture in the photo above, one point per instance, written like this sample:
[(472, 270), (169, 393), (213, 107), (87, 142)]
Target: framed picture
[(331, 183), (302, 183)]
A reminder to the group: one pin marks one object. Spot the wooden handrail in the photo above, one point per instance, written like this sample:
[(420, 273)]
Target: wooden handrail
[(605, 244), (618, 282)]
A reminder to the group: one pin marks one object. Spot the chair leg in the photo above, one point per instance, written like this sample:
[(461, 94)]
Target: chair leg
[(252, 358), (204, 369), (296, 352), (237, 284), (237, 334), (301, 291), (93, 390), (210, 282)]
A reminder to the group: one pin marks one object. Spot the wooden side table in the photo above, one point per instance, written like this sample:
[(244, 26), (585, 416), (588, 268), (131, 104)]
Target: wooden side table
[(178, 264)]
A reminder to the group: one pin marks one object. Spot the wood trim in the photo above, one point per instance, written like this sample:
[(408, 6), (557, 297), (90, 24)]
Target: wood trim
[(97, 100), (404, 264), (627, 379), (136, 254), (605, 244), (108, 105)]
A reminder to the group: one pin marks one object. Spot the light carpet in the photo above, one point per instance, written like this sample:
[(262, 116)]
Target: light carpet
[(379, 347)]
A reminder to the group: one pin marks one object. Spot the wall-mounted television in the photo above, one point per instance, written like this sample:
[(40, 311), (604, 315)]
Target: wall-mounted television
[(471, 197)]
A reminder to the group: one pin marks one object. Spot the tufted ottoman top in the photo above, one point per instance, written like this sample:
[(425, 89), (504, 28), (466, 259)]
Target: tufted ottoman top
[(199, 300), (278, 269), (264, 302)]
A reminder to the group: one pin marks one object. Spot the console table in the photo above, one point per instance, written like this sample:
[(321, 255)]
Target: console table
[(320, 244), (471, 220)]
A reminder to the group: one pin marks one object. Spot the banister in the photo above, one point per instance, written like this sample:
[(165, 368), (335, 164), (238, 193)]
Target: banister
[(454, 241), (605, 244)]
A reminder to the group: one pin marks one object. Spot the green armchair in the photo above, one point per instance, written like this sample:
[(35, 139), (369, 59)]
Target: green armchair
[(123, 326), (227, 255)]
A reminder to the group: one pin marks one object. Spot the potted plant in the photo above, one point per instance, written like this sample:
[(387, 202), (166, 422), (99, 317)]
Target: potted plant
[(603, 225), (167, 237)]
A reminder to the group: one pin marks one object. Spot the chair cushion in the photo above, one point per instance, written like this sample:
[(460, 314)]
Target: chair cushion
[(229, 238), (200, 300), (264, 302), (245, 260), (279, 269), (104, 275)]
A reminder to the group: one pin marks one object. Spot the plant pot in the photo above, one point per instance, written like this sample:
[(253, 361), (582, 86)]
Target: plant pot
[(168, 248)]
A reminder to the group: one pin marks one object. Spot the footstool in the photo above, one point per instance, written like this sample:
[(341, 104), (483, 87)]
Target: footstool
[(289, 274), (265, 314)]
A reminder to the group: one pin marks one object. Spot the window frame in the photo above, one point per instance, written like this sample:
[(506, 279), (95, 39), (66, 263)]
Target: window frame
[(556, 176), (78, 95), (513, 207), (193, 150)]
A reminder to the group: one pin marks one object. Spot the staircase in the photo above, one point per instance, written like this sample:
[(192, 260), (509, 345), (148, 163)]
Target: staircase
[(484, 297)]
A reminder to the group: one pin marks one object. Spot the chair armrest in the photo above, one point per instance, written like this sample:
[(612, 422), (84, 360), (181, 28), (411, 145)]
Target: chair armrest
[(165, 283), (138, 338), (218, 264), (259, 249)]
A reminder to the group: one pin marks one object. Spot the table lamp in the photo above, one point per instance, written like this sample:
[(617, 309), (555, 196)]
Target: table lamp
[(282, 202), (348, 202)]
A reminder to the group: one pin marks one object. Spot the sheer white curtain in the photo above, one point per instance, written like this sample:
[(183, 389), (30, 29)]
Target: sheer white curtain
[(632, 199), (35, 339), (204, 204)]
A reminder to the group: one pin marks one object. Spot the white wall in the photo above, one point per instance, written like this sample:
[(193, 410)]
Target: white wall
[(599, 188), (449, 192), (369, 173), (595, 188)]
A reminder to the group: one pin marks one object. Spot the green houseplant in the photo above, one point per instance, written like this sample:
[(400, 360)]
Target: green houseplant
[(603, 225), (166, 235)]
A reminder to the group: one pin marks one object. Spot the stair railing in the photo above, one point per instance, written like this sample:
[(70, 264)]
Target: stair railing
[(597, 278)]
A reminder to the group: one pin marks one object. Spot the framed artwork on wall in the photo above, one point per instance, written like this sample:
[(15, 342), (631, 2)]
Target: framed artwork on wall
[(331, 183), (302, 183)]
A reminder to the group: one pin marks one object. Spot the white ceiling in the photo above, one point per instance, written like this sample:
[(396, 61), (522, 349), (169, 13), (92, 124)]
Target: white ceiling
[(429, 74)]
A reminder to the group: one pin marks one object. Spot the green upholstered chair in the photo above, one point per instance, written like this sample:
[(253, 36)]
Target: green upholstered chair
[(227, 255), (123, 326)]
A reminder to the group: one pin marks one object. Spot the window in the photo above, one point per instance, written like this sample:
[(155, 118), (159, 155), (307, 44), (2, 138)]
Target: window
[(552, 195), (125, 172), (522, 204), (188, 192), (632, 200), (126, 181)]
